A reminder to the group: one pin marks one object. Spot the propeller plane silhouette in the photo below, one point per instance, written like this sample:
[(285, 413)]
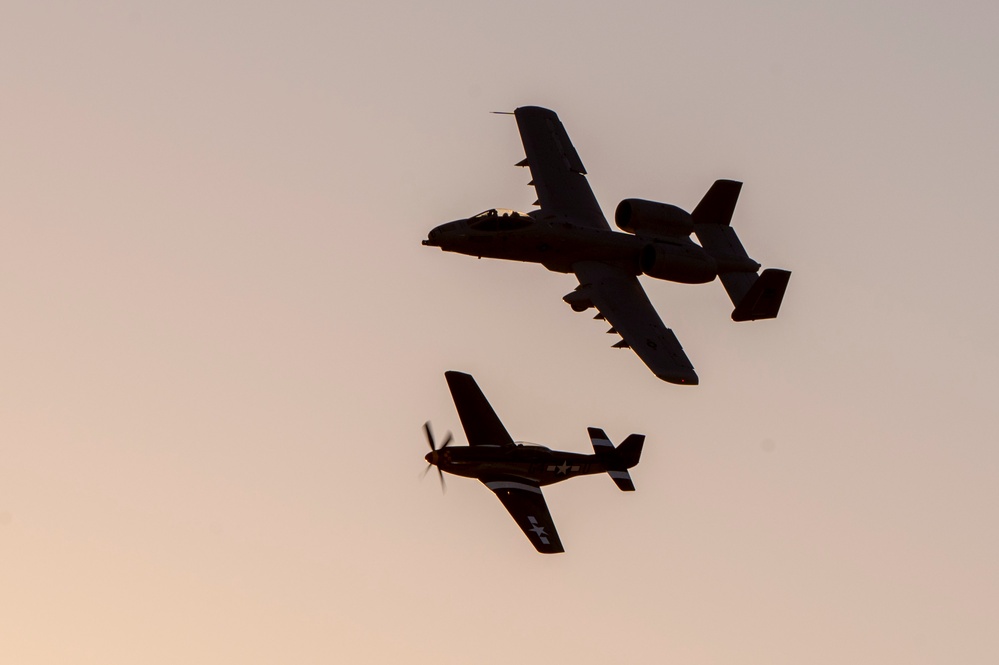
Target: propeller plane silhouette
[(515, 472)]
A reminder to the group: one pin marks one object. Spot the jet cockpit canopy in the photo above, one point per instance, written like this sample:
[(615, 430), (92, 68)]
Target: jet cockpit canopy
[(499, 219)]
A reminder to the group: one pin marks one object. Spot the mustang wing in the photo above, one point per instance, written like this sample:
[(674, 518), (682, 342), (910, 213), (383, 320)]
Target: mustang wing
[(482, 425), (558, 174), (526, 504), (621, 299)]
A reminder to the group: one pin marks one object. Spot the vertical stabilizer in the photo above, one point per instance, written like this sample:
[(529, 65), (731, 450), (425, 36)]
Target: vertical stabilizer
[(763, 297), (718, 204)]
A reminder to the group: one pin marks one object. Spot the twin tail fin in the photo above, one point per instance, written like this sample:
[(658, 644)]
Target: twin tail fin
[(754, 296)]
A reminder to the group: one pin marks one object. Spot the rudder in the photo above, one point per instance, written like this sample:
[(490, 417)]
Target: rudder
[(630, 450)]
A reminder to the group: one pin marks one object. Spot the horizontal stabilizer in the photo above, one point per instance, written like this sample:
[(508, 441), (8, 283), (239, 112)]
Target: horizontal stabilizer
[(763, 298), (623, 480), (599, 440), (754, 297)]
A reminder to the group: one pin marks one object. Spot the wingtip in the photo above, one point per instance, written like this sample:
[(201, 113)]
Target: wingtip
[(533, 109), (686, 379)]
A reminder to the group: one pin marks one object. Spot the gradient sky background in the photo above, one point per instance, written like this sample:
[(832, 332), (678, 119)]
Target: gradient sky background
[(221, 334)]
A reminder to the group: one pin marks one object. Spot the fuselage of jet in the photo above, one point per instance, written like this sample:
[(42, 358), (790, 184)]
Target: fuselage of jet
[(559, 244)]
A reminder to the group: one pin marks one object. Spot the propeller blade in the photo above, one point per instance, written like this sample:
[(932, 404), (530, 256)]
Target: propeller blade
[(448, 438), (430, 435)]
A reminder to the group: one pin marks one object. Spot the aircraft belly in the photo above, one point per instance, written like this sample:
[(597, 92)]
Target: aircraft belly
[(569, 248), (557, 247)]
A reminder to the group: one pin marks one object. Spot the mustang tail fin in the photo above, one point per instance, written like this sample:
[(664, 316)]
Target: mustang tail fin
[(754, 296), (619, 459)]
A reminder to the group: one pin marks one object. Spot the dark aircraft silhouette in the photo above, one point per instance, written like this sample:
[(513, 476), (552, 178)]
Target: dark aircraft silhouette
[(570, 234), (515, 472)]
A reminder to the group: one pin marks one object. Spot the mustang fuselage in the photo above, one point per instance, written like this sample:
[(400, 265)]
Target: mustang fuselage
[(528, 461)]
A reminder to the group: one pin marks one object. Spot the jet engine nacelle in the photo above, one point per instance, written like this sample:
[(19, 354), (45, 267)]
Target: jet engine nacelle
[(651, 218), (686, 263)]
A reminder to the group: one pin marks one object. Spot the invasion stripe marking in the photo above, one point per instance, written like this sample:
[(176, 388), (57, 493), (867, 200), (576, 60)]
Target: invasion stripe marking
[(512, 485)]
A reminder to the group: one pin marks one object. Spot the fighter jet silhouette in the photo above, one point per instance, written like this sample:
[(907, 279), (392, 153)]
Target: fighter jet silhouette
[(570, 234)]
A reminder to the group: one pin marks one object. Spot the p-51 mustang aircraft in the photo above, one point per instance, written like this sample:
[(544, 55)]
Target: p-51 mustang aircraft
[(515, 472), (570, 234)]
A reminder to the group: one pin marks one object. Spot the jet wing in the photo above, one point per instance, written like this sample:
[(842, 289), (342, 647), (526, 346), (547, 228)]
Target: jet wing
[(481, 424), (557, 172), (526, 504), (620, 298)]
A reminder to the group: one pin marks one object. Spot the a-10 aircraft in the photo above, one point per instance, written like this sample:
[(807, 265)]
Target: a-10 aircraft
[(570, 234), (515, 472)]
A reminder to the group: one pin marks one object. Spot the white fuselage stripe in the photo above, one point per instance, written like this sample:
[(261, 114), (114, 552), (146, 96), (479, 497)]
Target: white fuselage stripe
[(511, 485)]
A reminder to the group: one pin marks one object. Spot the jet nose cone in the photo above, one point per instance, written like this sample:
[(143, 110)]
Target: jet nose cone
[(433, 238), (445, 234)]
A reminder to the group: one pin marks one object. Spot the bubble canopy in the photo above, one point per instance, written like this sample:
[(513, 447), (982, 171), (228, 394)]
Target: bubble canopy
[(528, 444)]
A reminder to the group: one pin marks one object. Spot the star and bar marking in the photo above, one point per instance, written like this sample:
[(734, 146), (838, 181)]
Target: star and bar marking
[(563, 469), (538, 529)]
